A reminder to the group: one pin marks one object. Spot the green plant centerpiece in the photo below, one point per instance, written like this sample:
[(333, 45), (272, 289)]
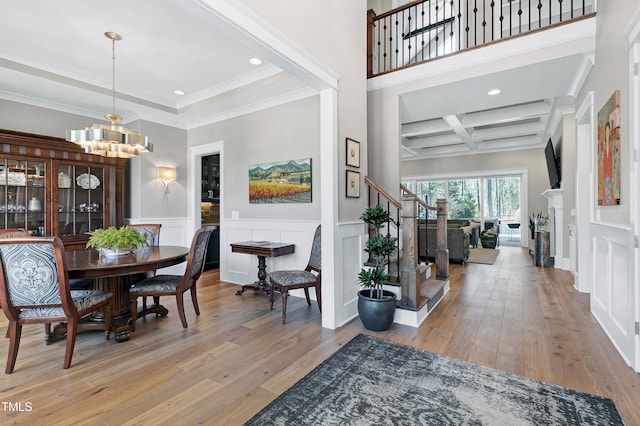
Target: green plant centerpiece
[(489, 238), (114, 241), (376, 306)]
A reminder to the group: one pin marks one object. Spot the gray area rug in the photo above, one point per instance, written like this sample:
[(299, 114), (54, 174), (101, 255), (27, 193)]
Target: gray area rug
[(373, 381), (483, 255)]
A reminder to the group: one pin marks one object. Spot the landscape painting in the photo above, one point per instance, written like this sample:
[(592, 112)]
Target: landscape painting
[(281, 182)]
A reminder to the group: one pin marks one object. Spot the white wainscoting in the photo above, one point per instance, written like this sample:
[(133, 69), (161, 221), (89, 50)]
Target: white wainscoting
[(350, 258), (347, 260), (174, 232), (239, 268), (613, 295)]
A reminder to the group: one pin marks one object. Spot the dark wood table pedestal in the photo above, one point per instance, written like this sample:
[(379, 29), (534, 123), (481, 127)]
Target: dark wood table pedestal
[(262, 249), (113, 275)]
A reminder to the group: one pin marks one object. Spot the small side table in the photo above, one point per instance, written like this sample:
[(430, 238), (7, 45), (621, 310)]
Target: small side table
[(262, 249)]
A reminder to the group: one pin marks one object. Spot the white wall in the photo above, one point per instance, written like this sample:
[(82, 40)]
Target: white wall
[(614, 292)]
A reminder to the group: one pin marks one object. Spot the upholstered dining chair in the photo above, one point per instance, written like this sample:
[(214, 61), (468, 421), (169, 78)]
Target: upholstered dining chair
[(311, 276), (152, 232), (175, 285), (12, 233), (34, 288)]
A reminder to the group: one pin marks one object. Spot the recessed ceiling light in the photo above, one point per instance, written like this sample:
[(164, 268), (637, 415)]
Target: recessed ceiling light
[(179, 92), (494, 92), (255, 61)]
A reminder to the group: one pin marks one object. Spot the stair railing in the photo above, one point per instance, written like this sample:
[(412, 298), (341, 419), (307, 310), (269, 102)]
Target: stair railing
[(426, 207), (423, 30), (378, 196), (442, 212), (407, 266)]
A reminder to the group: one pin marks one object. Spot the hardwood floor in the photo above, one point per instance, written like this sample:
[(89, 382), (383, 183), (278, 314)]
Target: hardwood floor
[(237, 356)]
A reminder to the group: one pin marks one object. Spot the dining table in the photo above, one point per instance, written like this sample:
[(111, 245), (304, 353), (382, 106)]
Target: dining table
[(113, 274)]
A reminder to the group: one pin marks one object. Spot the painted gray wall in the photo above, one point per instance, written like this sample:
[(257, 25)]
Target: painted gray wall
[(609, 73), (146, 196), (333, 31), (40, 121), (285, 132)]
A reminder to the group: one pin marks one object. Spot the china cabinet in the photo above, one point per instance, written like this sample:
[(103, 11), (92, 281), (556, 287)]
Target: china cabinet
[(49, 186)]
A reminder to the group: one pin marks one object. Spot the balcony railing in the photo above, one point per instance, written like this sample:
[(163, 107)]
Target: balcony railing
[(423, 30)]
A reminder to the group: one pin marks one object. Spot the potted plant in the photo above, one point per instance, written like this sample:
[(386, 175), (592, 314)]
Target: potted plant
[(537, 222), (489, 238), (376, 306), (114, 241)]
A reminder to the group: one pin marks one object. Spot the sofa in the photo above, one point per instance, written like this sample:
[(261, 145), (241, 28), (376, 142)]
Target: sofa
[(459, 234)]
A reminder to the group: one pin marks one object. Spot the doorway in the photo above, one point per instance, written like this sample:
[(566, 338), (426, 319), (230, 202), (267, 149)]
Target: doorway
[(207, 169), (210, 206)]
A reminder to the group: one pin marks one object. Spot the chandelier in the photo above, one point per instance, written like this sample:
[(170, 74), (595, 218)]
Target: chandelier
[(111, 140)]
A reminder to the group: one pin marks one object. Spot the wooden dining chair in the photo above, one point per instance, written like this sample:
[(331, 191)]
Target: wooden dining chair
[(12, 233), (175, 285), (311, 276), (34, 288)]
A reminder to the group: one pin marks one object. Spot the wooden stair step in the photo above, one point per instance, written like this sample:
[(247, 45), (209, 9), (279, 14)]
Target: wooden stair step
[(433, 290)]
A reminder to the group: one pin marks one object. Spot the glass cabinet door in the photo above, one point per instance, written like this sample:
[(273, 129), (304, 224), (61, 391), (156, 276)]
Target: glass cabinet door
[(80, 198), (23, 195)]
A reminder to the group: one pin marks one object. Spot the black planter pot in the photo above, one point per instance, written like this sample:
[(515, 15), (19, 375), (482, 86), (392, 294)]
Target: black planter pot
[(488, 242), (376, 314)]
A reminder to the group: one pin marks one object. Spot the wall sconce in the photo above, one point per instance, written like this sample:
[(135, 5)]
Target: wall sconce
[(166, 175)]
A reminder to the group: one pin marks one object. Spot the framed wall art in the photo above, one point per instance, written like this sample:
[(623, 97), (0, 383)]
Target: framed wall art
[(353, 184), (609, 152), (353, 153), (280, 182)]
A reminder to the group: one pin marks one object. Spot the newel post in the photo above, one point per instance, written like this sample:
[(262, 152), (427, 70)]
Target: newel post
[(409, 269), (442, 252), (370, 28)]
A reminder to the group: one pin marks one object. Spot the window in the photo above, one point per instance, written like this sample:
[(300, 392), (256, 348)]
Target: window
[(492, 201), (464, 198)]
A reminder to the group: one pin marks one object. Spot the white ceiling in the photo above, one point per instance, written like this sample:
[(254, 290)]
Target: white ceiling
[(461, 118), (55, 54)]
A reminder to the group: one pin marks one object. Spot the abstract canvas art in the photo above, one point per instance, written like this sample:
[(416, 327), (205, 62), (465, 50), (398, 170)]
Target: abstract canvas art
[(609, 152), (280, 182)]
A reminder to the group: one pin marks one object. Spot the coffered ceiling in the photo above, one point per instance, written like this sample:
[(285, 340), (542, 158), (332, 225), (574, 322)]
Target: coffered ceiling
[(462, 118)]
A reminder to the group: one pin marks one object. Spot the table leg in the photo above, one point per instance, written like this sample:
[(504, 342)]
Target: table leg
[(120, 311), (261, 284)]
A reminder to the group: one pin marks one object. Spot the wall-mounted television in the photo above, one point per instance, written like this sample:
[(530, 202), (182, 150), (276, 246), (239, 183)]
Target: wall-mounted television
[(553, 165)]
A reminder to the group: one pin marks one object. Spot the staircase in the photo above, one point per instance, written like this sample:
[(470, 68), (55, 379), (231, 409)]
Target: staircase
[(417, 291)]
